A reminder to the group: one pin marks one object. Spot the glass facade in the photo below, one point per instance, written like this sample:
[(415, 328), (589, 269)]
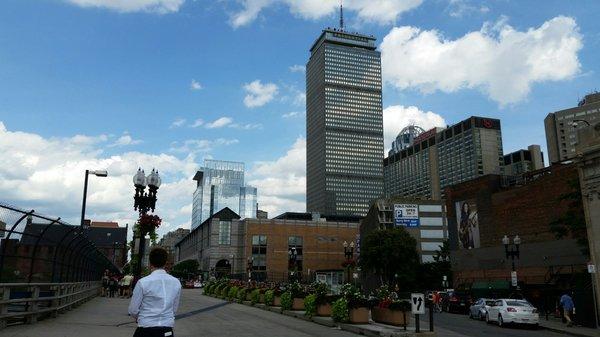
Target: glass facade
[(220, 184), (344, 124)]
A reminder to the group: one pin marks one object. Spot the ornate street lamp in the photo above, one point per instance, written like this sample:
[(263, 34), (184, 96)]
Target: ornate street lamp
[(349, 255), (513, 252), (292, 259), (144, 203)]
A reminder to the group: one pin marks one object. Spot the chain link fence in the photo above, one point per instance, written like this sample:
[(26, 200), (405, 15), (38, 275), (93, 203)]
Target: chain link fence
[(38, 249)]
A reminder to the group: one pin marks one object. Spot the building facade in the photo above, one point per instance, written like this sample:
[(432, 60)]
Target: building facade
[(344, 122), (169, 240), (561, 127), (258, 248), (220, 184), (441, 158), (523, 161), (110, 239), (430, 230), (405, 138)]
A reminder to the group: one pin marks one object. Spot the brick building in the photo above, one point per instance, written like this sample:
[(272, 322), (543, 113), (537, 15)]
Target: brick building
[(110, 239), (493, 206)]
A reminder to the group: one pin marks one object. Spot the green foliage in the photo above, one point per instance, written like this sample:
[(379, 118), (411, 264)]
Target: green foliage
[(443, 254), (225, 291), (255, 296), (241, 295), (287, 301), (185, 268), (391, 254), (353, 296), (297, 290), (233, 293), (572, 222), (320, 290), (340, 311), (310, 305), (269, 297)]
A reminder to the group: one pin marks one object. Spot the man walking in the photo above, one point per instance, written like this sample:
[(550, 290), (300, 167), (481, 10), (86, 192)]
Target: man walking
[(568, 306), (155, 299)]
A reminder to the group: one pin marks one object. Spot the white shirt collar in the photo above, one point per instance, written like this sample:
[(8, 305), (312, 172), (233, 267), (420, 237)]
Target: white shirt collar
[(159, 271)]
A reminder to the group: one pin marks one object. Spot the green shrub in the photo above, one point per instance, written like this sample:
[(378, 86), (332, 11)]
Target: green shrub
[(232, 294), (339, 310), (310, 305), (269, 297), (287, 301), (255, 296), (225, 291), (241, 296)]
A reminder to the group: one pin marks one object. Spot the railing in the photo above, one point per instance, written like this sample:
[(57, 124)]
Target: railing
[(28, 302)]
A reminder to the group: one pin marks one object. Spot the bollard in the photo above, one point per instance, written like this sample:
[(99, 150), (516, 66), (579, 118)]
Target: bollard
[(431, 317)]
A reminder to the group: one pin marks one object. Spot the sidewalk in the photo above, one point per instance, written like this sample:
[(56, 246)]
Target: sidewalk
[(558, 326)]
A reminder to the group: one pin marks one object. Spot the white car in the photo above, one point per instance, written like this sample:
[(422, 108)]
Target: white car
[(506, 311)]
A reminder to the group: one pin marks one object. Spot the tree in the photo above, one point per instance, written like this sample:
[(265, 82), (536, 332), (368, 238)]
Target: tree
[(184, 268), (443, 254), (392, 255), (572, 222)]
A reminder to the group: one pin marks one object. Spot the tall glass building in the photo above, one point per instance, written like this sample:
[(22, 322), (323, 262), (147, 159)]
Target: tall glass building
[(344, 121), (220, 184)]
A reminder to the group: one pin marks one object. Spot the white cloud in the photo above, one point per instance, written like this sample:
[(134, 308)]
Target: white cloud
[(282, 183), (125, 140), (46, 174), (197, 123), (292, 114), (297, 68), (258, 94), (378, 11), (126, 6), (460, 8), (397, 117), (195, 85), (179, 122), (219, 123), (194, 146), (248, 126), (500, 61)]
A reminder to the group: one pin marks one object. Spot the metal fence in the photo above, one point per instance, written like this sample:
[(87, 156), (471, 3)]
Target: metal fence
[(38, 249)]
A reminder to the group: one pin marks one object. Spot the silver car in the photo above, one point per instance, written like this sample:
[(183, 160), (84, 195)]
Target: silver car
[(480, 308)]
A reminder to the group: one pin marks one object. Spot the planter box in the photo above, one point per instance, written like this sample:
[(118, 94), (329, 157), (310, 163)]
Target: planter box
[(298, 304), (324, 310), (277, 301), (391, 317), (359, 316)]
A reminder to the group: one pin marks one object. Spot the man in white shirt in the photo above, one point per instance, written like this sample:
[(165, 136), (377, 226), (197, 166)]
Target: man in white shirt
[(155, 299)]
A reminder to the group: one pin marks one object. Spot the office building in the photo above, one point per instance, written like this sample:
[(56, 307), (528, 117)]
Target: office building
[(561, 127), (220, 184), (169, 240), (523, 161), (441, 158), (344, 123)]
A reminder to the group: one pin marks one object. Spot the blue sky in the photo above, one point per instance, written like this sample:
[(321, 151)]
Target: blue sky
[(166, 83)]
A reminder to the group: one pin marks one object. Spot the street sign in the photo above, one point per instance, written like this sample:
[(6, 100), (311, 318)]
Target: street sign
[(591, 268), (513, 278), (417, 302), (406, 215)]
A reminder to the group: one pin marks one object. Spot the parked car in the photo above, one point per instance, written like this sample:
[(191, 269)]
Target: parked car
[(505, 311), (456, 301), (479, 309)]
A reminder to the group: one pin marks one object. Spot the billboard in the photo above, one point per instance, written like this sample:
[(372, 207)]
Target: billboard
[(468, 224), (406, 215)]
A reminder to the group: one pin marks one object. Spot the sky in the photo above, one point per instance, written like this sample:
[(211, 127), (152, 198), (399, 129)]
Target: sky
[(122, 84)]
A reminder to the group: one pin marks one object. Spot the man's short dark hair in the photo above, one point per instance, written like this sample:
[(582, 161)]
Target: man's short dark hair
[(158, 257)]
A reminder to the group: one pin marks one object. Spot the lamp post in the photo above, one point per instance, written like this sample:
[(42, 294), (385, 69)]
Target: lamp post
[(349, 255), (250, 266), (292, 259), (513, 252), (98, 173), (143, 203)]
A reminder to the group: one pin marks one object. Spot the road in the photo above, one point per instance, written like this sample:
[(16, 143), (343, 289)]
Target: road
[(455, 325)]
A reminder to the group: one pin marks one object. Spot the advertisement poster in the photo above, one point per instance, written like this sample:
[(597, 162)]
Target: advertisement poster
[(468, 224), (406, 215)]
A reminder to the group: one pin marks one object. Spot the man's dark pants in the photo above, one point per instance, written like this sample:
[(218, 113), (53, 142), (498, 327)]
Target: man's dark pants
[(158, 331)]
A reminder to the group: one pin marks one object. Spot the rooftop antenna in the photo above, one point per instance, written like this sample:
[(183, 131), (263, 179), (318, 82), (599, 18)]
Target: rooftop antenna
[(342, 15)]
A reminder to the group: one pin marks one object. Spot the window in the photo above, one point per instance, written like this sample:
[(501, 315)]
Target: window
[(224, 232), (259, 252), (295, 242)]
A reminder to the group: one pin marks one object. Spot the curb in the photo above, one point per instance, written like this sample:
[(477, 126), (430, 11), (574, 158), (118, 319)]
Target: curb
[(564, 332)]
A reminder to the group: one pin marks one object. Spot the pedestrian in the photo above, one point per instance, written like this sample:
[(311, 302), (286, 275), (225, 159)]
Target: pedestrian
[(155, 299), (567, 304), (127, 279), (105, 283), (113, 285)]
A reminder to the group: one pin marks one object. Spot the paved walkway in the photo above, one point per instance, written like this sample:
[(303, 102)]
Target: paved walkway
[(198, 316), (558, 326)]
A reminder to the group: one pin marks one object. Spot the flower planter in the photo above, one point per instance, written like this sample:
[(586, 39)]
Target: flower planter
[(324, 310), (298, 304), (359, 316), (391, 317), (277, 301)]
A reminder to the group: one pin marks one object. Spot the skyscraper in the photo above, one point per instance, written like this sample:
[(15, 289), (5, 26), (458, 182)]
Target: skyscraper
[(220, 184), (344, 121)]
